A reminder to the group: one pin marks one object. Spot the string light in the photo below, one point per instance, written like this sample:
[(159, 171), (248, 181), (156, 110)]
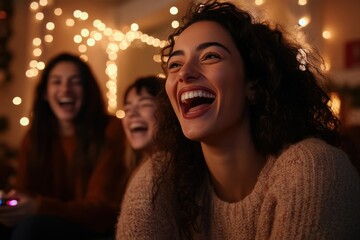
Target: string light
[(304, 21), (326, 34), (24, 121), (259, 2), (302, 2), (17, 100)]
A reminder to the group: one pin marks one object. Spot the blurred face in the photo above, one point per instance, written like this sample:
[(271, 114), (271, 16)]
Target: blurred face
[(206, 82), (139, 121), (64, 91)]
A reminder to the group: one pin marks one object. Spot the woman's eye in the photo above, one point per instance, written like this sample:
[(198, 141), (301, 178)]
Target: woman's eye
[(127, 109), (173, 65), (76, 81), (54, 81), (210, 56), (147, 104)]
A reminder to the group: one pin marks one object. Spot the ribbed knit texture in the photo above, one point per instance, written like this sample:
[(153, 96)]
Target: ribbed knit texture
[(311, 191)]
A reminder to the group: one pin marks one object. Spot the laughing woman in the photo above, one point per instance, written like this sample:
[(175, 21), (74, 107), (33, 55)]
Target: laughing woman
[(72, 173), (249, 145), (140, 124)]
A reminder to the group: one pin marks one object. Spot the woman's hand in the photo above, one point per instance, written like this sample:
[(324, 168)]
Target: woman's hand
[(11, 215)]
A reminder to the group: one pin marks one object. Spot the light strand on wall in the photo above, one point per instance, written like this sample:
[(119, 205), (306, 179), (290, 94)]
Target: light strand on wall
[(117, 40)]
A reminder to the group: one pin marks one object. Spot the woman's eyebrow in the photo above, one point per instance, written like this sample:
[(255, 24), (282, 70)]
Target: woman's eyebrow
[(201, 46), (146, 98), (205, 45)]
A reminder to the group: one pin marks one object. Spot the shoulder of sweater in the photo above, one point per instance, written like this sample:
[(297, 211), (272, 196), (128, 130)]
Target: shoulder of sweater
[(310, 149), (313, 155), (142, 176), (143, 180)]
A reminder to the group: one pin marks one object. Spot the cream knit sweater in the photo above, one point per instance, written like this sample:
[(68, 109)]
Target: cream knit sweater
[(311, 191)]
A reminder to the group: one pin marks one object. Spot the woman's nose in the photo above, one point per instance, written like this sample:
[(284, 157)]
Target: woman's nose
[(188, 72), (65, 87), (132, 112)]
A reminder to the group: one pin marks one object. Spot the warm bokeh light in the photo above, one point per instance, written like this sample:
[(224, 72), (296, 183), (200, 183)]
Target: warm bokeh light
[(82, 48), (77, 39), (174, 10), (85, 32), (77, 13), (134, 27), (120, 114), (58, 11), (37, 42), (84, 16), (34, 6), (175, 24), (37, 52), (302, 2), (304, 21), (48, 38), (84, 57), (40, 65), (43, 2), (90, 42), (70, 22), (326, 34), (50, 26), (24, 121), (335, 103), (157, 58), (39, 16), (33, 63), (97, 36), (17, 100), (259, 2)]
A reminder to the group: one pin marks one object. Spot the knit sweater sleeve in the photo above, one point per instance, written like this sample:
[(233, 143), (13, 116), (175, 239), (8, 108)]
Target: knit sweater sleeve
[(314, 194), (139, 217)]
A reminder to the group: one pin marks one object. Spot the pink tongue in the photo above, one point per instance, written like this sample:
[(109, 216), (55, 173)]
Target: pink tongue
[(67, 107), (198, 108)]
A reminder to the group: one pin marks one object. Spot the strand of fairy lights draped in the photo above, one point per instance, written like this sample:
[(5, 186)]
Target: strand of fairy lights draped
[(116, 41)]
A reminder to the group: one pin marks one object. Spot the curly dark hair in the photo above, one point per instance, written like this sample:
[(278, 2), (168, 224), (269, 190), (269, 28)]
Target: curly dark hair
[(289, 103)]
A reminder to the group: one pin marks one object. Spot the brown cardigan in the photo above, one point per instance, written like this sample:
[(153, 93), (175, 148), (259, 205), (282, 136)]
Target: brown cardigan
[(97, 207)]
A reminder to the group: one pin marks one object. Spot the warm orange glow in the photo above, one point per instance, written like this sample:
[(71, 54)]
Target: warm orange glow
[(335, 103)]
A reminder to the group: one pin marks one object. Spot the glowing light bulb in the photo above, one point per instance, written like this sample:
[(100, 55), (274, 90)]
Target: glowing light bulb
[(326, 34), (174, 10), (24, 121), (17, 100), (120, 114)]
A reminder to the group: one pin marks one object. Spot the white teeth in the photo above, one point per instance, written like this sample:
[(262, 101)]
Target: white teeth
[(136, 125), (66, 100), (194, 94)]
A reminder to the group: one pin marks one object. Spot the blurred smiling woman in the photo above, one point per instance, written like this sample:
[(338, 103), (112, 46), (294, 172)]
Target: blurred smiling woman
[(139, 123), (72, 173)]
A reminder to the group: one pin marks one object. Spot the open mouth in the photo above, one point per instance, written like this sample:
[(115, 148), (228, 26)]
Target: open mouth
[(67, 103), (138, 128), (196, 100)]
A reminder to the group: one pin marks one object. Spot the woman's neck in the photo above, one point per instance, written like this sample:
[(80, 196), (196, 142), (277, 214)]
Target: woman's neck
[(67, 128), (234, 166)]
